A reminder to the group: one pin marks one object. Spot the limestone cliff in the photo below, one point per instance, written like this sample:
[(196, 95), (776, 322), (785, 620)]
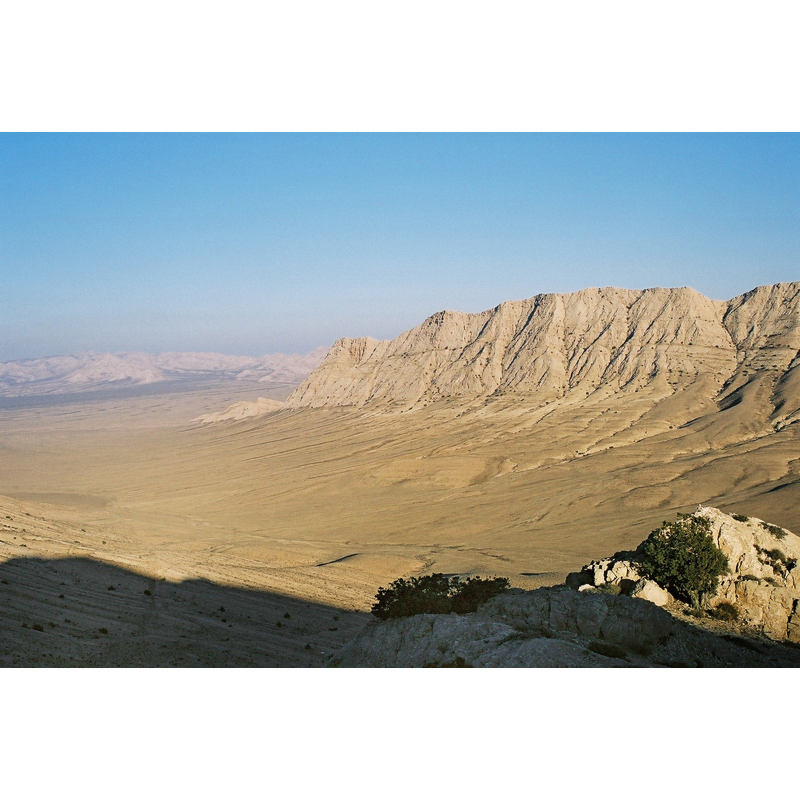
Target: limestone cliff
[(551, 346)]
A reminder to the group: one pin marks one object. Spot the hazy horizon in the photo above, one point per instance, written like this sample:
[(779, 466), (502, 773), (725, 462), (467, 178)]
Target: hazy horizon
[(248, 244), (297, 353)]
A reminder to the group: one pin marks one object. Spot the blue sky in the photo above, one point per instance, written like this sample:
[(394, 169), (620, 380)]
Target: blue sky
[(251, 244)]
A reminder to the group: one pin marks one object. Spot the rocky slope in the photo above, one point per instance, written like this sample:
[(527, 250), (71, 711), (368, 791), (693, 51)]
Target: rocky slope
[(90, 371), (554, 346), (595, 627)]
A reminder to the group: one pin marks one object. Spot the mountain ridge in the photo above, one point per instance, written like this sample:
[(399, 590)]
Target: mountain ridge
[(80, 372), (551, 345)]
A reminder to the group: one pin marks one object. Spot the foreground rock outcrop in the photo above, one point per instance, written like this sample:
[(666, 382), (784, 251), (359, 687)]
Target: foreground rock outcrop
[(608, 614), (557, 627), (552, 345), (762, 582)]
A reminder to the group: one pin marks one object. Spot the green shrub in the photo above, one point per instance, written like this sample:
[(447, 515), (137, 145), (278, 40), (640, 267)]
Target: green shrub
[(777, 560), (435, 594), (778, 533), (740, 517), (682, 558), (474, 592)]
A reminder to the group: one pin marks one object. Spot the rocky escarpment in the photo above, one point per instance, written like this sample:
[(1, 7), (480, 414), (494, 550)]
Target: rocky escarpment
[(556, 627), (762, 583), (552, 345)]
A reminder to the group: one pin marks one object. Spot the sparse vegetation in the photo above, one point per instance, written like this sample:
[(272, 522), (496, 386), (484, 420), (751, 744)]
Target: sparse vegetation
[(740, 517), (775, 530), (37, 627), (777, 559), (681, 557), (435, 594), (725, 611)]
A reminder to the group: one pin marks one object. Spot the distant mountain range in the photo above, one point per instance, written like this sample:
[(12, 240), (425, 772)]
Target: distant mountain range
[(83, 372)]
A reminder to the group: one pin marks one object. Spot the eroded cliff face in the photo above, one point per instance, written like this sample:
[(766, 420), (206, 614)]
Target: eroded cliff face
[(553, 346)]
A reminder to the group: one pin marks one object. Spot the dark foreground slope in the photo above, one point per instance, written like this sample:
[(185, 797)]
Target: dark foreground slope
[(77, 612)]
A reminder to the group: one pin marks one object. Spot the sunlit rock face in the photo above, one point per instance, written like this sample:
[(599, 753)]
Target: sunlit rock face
[(555, 346)]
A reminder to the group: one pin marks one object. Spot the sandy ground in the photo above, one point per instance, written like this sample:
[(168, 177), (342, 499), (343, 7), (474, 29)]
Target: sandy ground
[(309, 512)]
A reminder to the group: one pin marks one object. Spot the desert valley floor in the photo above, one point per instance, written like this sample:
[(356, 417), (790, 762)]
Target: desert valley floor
[(131, 535)]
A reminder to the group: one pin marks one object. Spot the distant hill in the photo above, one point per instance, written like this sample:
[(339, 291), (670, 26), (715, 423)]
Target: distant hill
[(83, 372)]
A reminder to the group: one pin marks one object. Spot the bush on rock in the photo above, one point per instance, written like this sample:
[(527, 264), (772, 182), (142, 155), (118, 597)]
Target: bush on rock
[(435, 594), (682, 558)]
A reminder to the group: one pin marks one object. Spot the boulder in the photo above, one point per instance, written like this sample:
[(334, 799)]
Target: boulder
[(763, 580), (652, 592), (617, 569)]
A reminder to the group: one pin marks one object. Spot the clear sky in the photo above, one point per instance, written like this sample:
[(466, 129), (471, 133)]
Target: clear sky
[(248, 244)]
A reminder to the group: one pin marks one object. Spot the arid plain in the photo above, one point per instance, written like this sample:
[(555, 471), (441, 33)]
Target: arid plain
[(307, 510)]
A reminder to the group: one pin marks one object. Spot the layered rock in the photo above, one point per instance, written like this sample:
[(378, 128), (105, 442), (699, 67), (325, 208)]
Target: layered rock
[(555, 627), (552, 345)]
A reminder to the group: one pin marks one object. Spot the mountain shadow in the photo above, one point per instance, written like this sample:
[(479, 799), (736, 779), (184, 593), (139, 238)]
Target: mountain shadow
[(78, 612)]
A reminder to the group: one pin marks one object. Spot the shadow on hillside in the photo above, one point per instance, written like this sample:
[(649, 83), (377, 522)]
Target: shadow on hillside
[(81, 612)]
